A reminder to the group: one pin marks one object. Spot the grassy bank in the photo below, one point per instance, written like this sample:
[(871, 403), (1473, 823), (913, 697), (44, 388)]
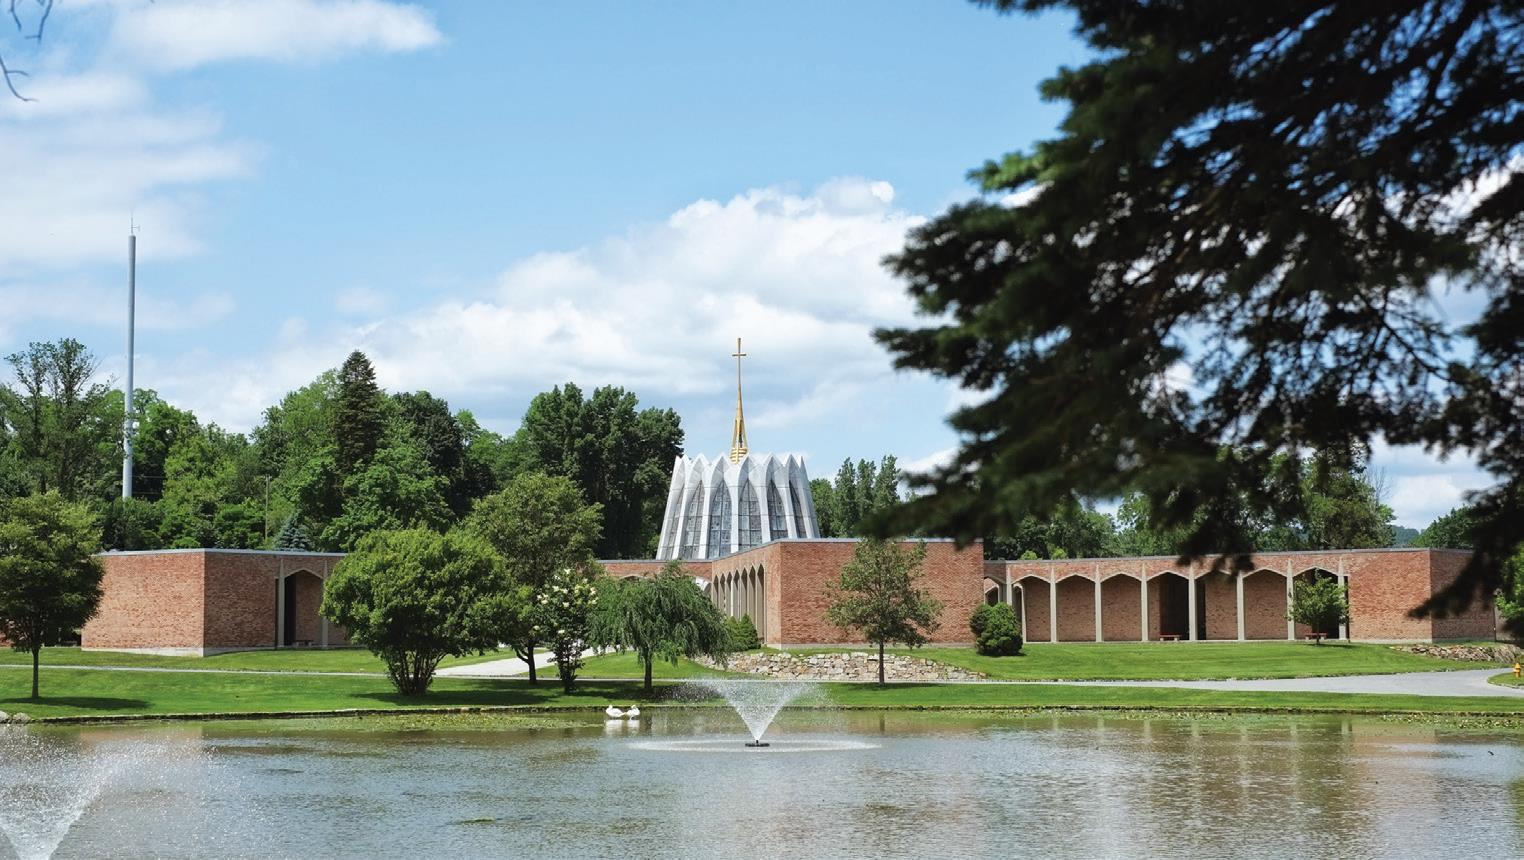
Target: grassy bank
[(1186, 661), (74, 692)]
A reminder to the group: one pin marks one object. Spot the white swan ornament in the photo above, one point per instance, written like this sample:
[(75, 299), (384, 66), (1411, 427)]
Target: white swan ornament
[(633, 712), (613, 713)]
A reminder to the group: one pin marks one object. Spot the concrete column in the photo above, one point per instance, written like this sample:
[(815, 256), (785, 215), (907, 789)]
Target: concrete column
[(1190, 603), (1143, 603), (1052, 607), (323, 622), (1098, 636), (1238, 581), (1290, 589), (280, 610), (1344, 587)]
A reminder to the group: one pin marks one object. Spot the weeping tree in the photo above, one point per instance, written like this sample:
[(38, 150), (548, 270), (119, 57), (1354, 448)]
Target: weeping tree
[(1233, 253), (661, 618), (414, 597)]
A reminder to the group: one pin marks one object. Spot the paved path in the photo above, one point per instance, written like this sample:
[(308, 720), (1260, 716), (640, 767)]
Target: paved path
[(1466, 682), (498, 668)]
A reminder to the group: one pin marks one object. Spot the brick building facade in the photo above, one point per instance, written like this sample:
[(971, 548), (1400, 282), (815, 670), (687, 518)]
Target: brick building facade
[(208, 601)]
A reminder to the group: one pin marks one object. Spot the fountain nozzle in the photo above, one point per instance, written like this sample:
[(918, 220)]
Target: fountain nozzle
[(756, 744)]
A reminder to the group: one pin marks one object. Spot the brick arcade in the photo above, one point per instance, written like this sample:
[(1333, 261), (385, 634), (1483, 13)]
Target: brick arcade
[(206, 601)]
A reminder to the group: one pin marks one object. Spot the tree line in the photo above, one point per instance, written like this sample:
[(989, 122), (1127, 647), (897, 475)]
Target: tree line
[(331, 462)]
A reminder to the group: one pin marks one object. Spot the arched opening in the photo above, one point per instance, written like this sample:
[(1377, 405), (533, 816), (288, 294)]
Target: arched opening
[(1121, 608), (302, 594), (1265, 605), (1308, 576), (991, 591), (1169, 608), (1034, 608), (1076, 609), (760, 619)]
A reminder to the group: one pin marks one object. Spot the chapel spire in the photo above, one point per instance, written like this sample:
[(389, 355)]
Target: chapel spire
[(738, 431)]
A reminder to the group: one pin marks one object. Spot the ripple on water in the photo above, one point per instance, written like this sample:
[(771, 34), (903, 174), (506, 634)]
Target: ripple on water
[(734, 745)]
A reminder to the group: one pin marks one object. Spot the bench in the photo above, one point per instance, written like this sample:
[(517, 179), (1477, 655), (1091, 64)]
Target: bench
[(1169, 637), (1318, 636), (302, 643)]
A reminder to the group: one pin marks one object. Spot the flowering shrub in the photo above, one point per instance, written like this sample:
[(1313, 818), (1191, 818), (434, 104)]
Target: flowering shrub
[(561, 619)]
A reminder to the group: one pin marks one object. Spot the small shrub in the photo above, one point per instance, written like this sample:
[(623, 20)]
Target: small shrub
[(743, 634), (997, 633)]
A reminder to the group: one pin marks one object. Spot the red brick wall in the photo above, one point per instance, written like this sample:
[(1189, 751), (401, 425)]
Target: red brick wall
[(1121, 609), (1218, 598), (149, 601), (240, 598), (1382, 589), (1076, 608), (1477, 622), (1265, 605), (797, 573)]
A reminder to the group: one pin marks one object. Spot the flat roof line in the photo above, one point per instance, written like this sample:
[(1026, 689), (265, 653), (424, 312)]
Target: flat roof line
[(216, 551)]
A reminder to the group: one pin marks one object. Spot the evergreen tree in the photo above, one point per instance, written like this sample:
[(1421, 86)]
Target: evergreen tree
[(1259, 198), (292, 535), (358, 422)]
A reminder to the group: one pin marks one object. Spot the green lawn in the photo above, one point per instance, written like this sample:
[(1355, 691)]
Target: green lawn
[(1186, 661), (627, 666), (78, 692), (269, 660)]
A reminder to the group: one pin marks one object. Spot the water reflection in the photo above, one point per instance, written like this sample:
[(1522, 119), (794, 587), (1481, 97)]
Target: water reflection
[(908, 785)]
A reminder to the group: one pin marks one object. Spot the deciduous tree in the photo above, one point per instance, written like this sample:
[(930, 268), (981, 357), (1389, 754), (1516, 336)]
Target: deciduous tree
[(1319, 603), (50, 581), (879, 596), (414, 597), (539, 525)]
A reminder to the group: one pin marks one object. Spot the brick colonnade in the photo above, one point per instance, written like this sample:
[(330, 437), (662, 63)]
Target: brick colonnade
[(1139, 599)]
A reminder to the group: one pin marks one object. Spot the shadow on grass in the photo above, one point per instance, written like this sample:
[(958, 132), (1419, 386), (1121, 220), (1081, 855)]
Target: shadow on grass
[(95, 703), (488, 693)]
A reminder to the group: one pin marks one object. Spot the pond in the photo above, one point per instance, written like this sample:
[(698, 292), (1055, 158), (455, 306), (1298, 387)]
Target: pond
[(834, 784)]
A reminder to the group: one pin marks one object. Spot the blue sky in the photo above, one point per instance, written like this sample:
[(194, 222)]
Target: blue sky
[(491, 198)]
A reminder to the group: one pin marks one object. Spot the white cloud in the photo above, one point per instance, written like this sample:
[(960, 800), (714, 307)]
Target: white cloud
[(1420, 486), (657, 309), (934, 460), (181, 34), (360, 301)]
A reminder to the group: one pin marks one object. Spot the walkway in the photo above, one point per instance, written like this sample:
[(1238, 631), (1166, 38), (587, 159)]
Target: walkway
[(507, 668), (1466, 682)]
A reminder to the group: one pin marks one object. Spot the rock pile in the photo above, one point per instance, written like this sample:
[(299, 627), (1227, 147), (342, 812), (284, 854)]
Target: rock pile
[(1497, 653), (845, 666)]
